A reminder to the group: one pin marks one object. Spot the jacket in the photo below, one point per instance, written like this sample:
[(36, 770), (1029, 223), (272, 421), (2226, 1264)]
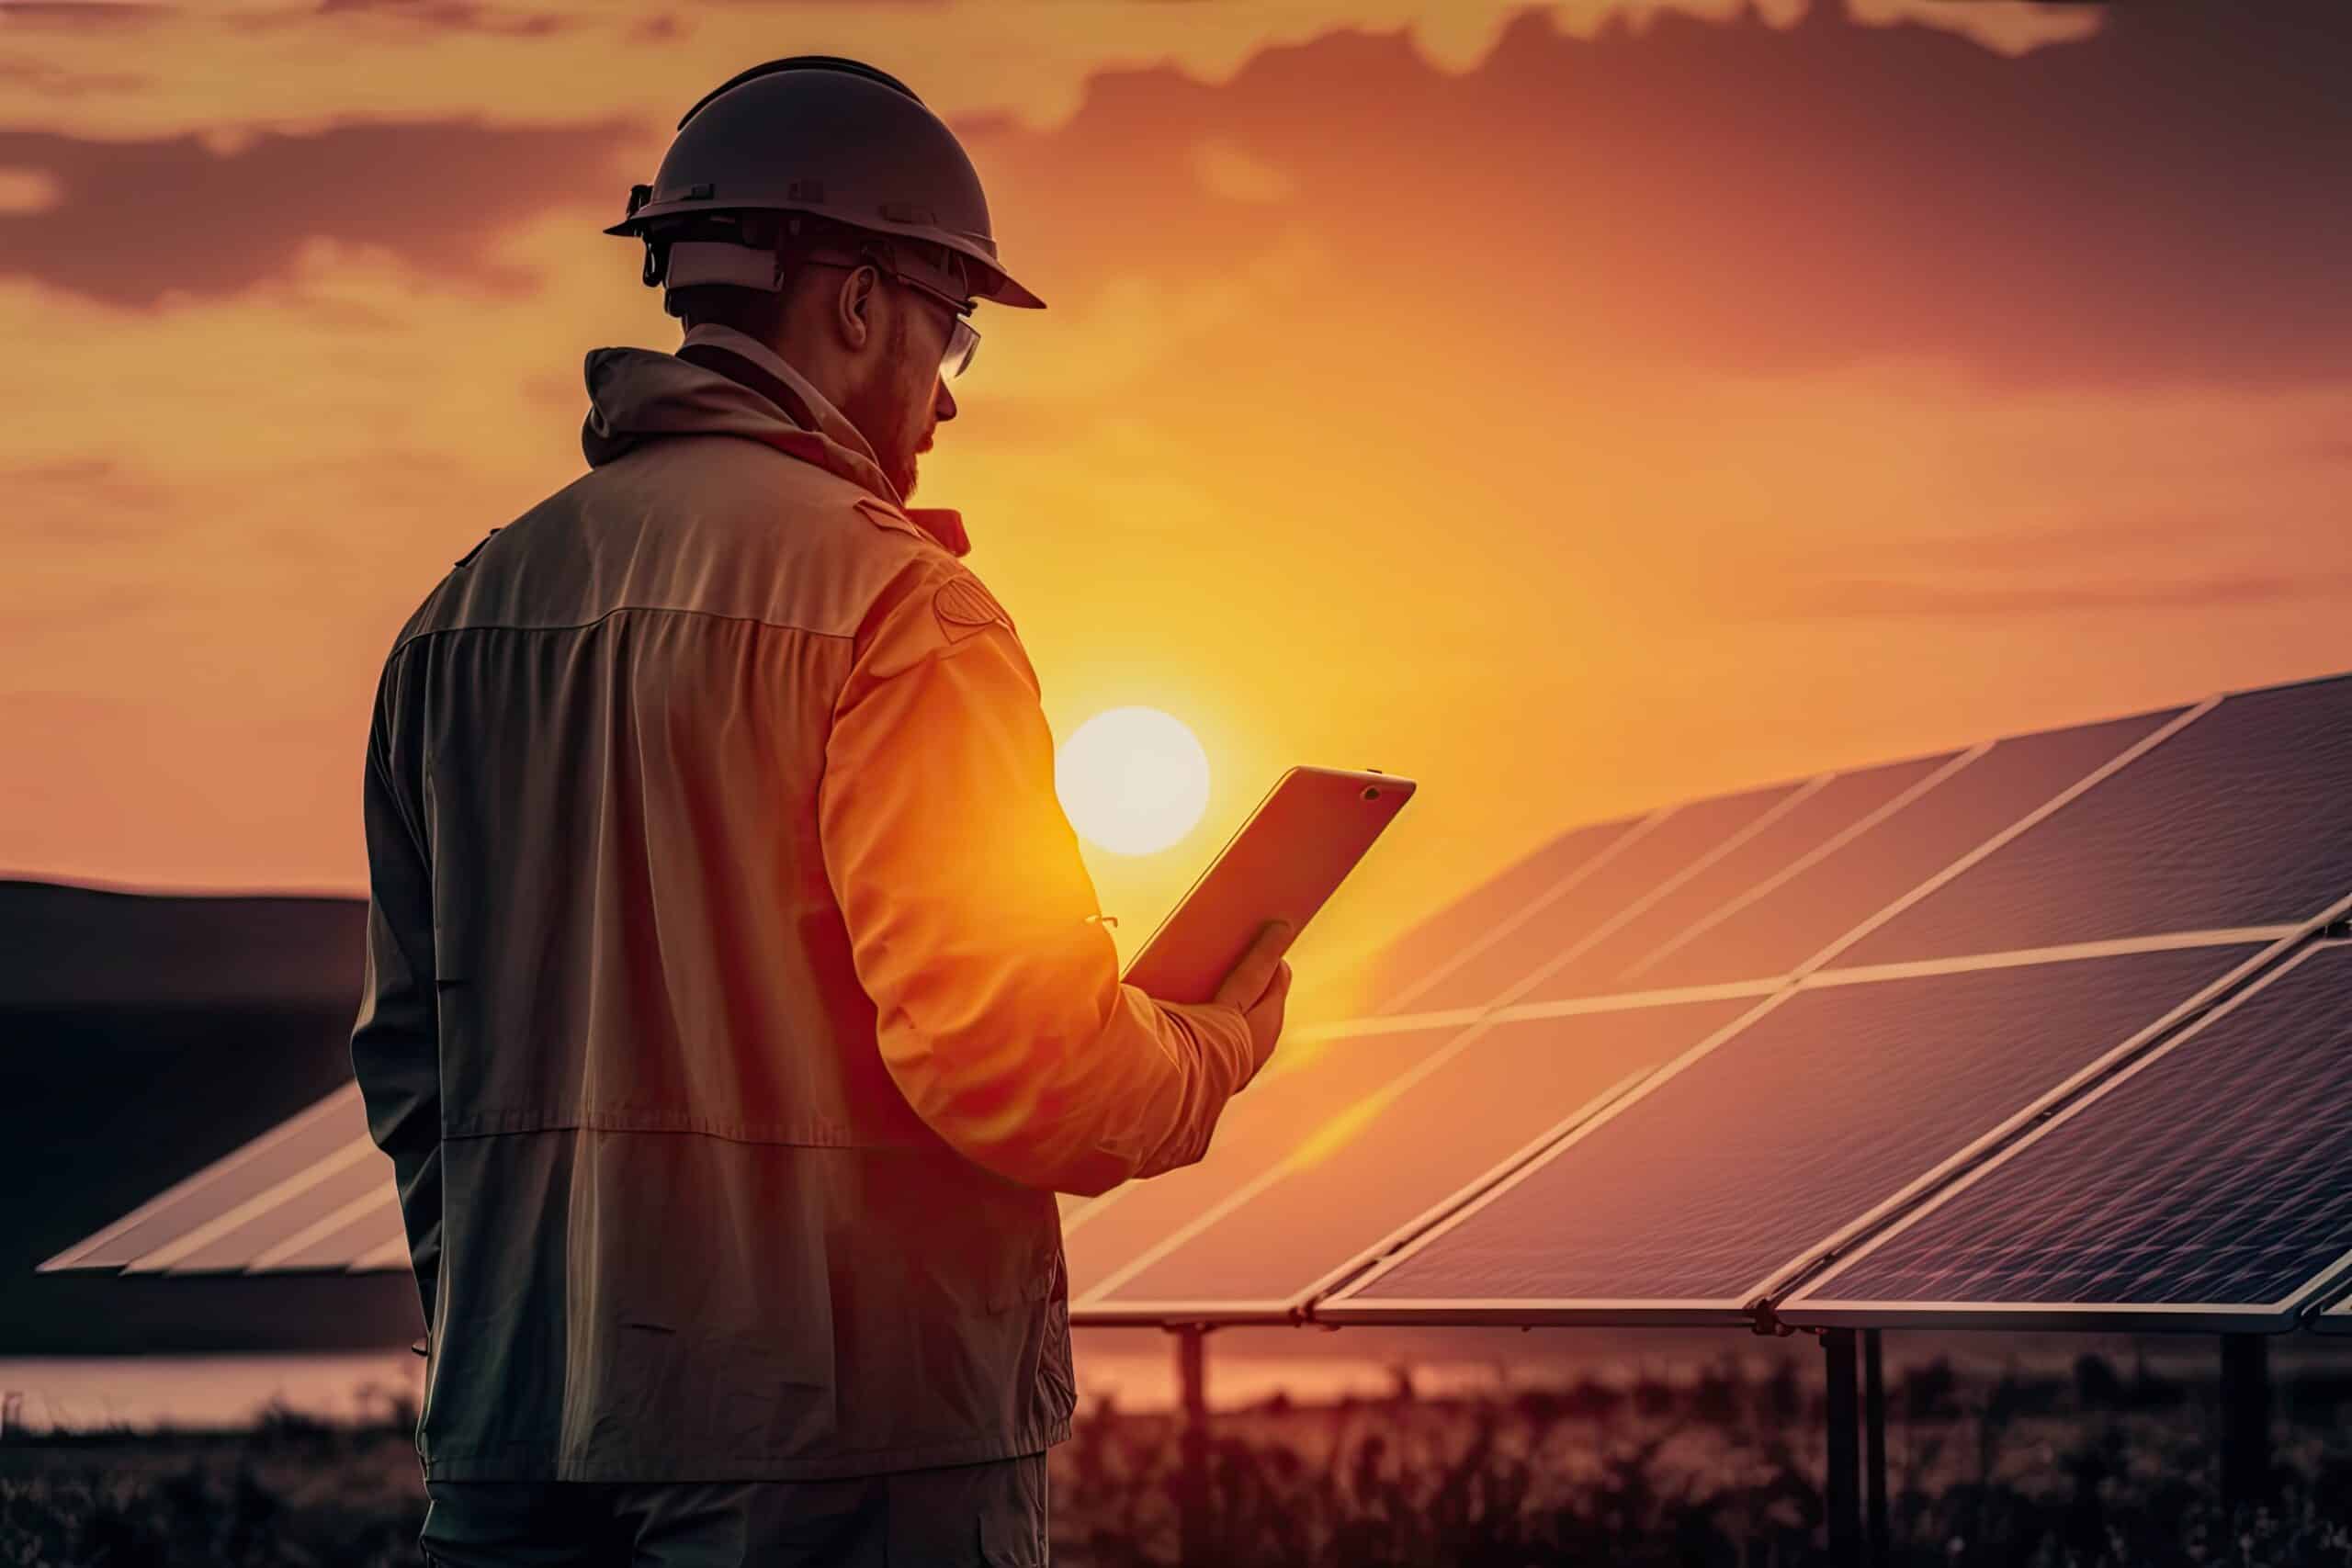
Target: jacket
[(736, 999)]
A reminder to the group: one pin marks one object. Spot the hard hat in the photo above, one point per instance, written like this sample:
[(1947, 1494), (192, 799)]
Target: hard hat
[(819, 134)]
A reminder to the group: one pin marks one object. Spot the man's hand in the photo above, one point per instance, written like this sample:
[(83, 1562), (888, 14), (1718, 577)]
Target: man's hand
[(1259, 984)]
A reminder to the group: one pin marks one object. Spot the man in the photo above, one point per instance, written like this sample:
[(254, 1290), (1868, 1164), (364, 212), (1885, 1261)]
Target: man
[(736, 997)]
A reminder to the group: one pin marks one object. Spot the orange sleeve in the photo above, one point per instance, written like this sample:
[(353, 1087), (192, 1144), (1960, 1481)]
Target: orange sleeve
[(972, 921)]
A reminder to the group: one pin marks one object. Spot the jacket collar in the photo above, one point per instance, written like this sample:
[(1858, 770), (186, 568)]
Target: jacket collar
[(721, 381)]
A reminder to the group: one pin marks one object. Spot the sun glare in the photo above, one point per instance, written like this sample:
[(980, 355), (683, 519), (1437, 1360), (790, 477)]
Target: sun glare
[(1132, 780)]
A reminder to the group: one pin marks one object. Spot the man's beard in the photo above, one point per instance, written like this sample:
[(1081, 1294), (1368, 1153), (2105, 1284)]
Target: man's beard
[(889, 428)]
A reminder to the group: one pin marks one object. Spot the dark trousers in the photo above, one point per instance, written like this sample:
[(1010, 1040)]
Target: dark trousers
[(991, 1514)]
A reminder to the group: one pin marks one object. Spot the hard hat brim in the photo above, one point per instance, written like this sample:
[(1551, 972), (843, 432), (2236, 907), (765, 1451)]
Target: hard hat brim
[(996, 286)]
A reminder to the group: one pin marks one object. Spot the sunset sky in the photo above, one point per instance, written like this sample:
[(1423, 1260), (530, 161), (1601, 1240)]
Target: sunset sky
[(1575, 406)]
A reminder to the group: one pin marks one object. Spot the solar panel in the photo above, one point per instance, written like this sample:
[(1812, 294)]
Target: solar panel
[(1638, 865), (1308, 1082), (1735, 1167), (1814, 817), (341, 1239), (1371, 1170), (2207, 1186), (275, 1165), (2234, 820), (1400, 967), (241, 1234), (1777, 926)]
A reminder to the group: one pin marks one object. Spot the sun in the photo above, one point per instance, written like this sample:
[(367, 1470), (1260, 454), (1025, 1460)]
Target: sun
[(1132, 780)]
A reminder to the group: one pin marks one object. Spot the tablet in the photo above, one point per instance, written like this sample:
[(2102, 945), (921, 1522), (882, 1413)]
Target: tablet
[(1282, 864)]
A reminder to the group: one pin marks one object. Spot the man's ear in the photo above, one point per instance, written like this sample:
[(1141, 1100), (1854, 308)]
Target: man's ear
[(854, 306)]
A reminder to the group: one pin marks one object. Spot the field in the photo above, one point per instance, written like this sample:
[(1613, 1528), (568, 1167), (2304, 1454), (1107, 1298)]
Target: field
[(2099, 1463)]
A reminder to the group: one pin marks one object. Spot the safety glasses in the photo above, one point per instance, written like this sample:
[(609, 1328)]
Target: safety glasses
[(962, 338)]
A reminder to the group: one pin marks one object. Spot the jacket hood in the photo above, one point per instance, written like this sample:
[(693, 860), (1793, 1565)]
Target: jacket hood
[(638, 395)]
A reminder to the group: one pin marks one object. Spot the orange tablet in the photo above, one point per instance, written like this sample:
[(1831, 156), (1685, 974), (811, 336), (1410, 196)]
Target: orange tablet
[(1282, 864)]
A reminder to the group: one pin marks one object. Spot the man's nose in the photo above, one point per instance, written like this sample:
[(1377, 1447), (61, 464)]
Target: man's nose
[(943, 405)]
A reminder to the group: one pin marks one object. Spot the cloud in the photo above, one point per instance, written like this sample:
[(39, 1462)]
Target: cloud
[(47, 79), (139, 221), (85, 15), (2160, 201), (432, 15), (1896, 598)]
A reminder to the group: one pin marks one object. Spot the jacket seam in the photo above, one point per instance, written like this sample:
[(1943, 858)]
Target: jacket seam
[(600, 620), (747, 1135)]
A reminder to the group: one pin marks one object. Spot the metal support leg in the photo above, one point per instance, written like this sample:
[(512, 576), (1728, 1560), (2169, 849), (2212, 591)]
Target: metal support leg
[(1193, 1452), (1875, 1446), (2246, 1420), (1842, 1493)]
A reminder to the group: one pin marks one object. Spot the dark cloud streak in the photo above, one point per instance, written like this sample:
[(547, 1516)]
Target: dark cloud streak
[(2166, 201), (140, 218)]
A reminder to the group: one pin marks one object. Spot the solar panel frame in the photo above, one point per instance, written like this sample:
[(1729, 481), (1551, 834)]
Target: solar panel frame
[(1347, 1305), (1094, 1309), (2335, 1317), (1801, 1308)]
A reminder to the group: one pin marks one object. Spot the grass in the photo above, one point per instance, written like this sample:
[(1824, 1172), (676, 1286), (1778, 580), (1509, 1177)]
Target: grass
[(2106, 1468)]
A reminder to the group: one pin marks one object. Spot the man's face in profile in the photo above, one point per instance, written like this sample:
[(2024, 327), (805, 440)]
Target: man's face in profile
[(903, 397)]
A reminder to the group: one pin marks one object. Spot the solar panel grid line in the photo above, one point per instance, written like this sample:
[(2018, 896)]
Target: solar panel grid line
[(1805, 861), (1281, 1065), (1803, 1304), (1464, 1206), (1495, 933), (1350, 1305), (2169, 941), (1617, 1001), (2113, 765), (355, 1241), (228, 1220), (1386, 1095), (1391, 1024), (2184, 1013), (392, 1255), (196, 1184), (1532, 1149), (326, 1227), (1640, 905), (1292, 1306)]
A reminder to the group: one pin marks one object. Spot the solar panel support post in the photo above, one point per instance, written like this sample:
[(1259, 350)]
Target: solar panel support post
[(1194, 1545), (1842, 1493), (1875, 1446), (2245, 1421)]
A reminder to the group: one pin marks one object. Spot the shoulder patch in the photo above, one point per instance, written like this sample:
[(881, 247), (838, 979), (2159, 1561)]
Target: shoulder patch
[(964, 606), (880, 514), (468, 558)]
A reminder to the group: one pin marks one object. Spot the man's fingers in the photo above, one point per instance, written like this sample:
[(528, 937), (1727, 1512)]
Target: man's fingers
[(1250, 977), (1264, 958)]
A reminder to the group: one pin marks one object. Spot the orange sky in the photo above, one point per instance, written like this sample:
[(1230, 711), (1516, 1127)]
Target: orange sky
[(1572, 409)]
